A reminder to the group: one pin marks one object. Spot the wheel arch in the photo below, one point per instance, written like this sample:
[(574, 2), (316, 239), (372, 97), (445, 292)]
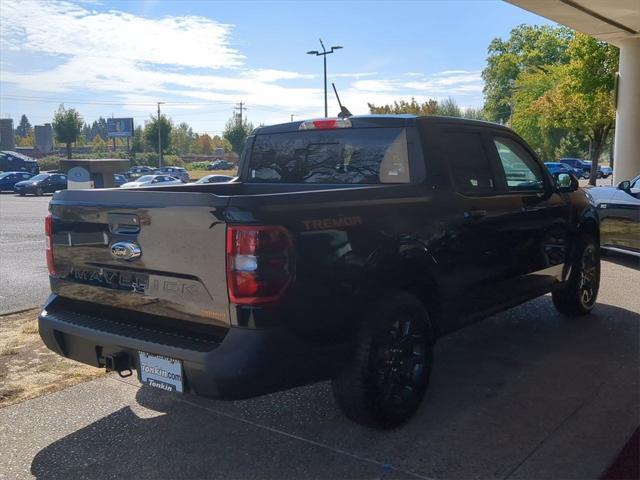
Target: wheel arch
[(589, 224), (412, 269)]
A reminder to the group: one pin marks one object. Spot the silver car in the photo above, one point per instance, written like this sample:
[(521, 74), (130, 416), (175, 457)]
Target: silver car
[(176, 172), (619, 210), (152, 180), (216, 179)]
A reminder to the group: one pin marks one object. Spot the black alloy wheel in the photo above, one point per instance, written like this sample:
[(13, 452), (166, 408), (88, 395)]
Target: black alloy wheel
[(589, 278), (386, 380), (579, 293)]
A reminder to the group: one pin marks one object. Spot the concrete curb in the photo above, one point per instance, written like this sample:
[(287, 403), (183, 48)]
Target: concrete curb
[(14, 312)]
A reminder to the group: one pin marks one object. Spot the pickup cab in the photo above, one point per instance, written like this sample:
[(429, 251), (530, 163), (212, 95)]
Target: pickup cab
[(344, 249)]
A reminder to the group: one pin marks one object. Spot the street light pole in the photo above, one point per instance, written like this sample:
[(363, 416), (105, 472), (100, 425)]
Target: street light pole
[(324, 54), (159, 138)]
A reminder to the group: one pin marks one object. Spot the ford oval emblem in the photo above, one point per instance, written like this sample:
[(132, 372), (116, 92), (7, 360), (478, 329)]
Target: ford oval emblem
[(126, 250)]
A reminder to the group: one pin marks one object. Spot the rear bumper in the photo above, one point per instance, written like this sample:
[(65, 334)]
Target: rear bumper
[(245, 363)]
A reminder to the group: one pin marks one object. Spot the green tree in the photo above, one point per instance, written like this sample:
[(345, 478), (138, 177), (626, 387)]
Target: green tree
[(27, 141), (151, 133), (430, 107), (528, 48), (219, 142), (98, 144), (448, 108), (204, 144), (474, 113), (67, 125), (527, 120), (236, 132), (24, 127), (581, 99), (182, 139), (138, 142), (572, 145)]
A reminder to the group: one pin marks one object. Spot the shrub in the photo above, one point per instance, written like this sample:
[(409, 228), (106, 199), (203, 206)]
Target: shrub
[(51, 162), (197, 166)]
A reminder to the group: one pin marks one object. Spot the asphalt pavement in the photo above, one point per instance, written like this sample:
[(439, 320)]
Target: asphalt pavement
[(24, 282), (523, 394)]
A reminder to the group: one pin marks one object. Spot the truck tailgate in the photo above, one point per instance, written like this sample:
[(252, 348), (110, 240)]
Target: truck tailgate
[(179, 271)]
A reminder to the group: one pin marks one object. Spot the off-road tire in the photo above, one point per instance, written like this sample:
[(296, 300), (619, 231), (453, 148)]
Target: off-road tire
[(387, 377), (578, 296)]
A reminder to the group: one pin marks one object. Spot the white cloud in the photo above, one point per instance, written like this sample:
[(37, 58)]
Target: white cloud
[(270, 75), (439, 84), (353, 75), (68, 30), (374, 85)]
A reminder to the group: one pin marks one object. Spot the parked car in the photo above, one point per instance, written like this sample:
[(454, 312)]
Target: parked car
[(579, 164), (606, 171), (344, 259), (221, 165), (9, 179), (215, 179), (119, 179), (575, 171), (148, 180), (619, 211), (557, 167), (176, 172), (138, 171), (600, 173), (17, 162), (41, 184)]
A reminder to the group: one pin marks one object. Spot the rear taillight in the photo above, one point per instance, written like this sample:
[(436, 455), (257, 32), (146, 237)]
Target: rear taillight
[(48, 233), (259, 263)]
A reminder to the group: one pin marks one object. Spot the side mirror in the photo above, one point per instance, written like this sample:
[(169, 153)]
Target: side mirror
[(626, 186), (566, 182)]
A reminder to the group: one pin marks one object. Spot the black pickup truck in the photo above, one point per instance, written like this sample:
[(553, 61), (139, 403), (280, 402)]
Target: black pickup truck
[(344, 249)]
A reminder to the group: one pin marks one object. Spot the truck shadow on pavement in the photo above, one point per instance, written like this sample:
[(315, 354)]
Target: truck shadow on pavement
[(499, 393)]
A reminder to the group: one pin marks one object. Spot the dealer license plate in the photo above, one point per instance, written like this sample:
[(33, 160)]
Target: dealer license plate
[(161, 372)]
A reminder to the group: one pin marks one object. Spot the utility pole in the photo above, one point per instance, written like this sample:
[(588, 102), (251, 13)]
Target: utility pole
[(241, 106), (324, 54), (159, 139)]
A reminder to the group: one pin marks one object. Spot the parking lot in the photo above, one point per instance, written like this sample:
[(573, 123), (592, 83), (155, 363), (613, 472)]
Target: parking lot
[(23, 272), (523, 394)]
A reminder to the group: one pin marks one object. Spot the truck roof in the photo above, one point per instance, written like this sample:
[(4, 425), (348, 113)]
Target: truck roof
[(381, 120)]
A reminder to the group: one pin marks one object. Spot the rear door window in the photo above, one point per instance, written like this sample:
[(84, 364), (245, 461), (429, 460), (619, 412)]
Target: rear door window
[(464, 152), (341, 156)]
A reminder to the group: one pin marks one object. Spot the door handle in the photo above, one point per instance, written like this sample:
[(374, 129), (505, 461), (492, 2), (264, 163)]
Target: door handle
[(475, 214), (531, 209)]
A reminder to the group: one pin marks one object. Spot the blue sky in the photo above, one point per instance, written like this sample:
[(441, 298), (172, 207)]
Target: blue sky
[(119, 58)]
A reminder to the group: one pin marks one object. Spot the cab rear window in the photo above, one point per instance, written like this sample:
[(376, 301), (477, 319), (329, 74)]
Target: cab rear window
[(341, 156)]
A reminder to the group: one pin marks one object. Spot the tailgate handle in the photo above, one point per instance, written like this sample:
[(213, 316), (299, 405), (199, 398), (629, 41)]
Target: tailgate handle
[(123, 223)]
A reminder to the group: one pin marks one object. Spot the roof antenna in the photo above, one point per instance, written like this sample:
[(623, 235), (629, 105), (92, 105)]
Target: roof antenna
[(344, 111)]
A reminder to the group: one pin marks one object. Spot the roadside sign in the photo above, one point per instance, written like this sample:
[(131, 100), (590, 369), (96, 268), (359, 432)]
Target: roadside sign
[(119, 127)]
